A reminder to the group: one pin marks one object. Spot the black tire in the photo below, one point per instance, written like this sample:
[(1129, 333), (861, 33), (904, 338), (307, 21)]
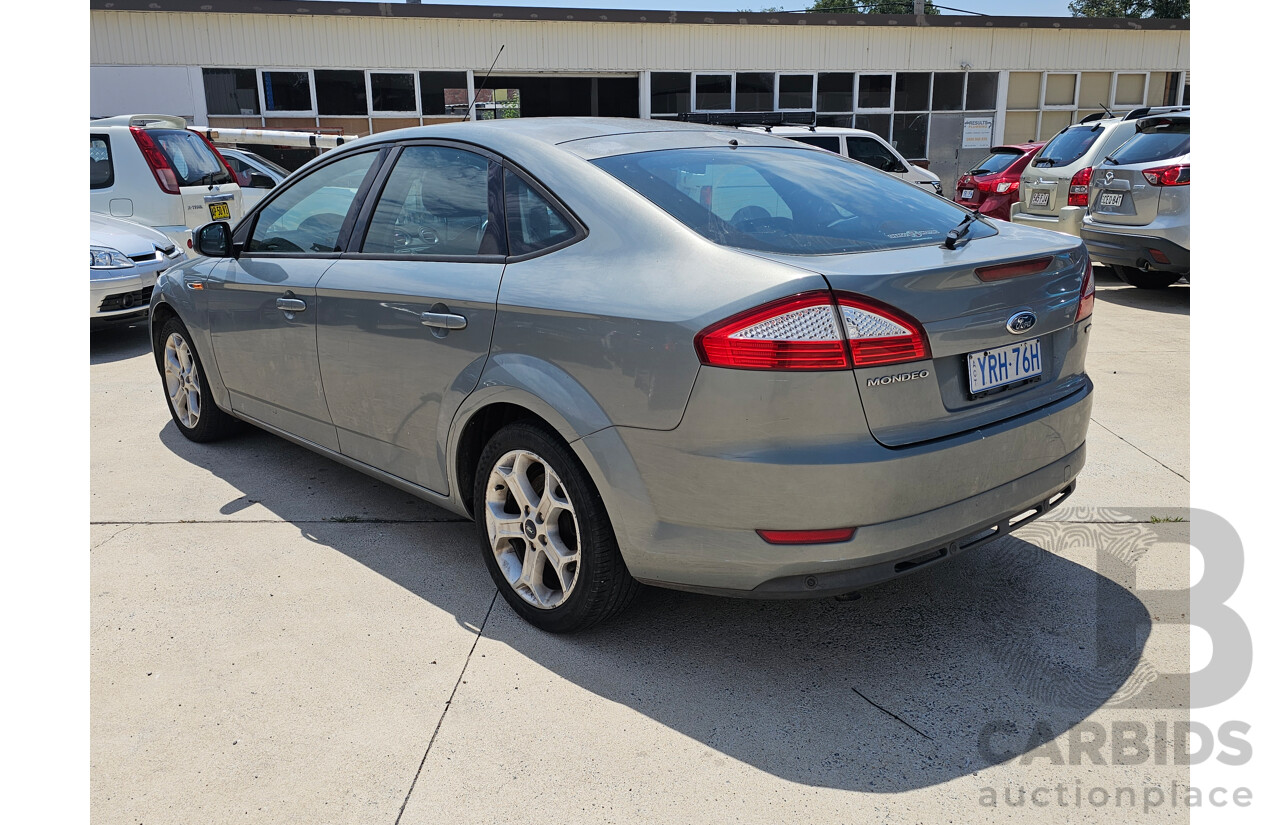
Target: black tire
[(601, 586), (1133, 276), (210, 422)]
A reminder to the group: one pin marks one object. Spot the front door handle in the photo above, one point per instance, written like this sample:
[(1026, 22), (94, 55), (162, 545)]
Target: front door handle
[(290, 304), (443, 320)]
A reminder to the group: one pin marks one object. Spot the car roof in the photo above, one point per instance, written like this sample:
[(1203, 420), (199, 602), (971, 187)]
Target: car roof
[(1021, 147)]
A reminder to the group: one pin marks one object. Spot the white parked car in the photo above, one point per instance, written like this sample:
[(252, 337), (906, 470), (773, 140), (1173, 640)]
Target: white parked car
[(152, 170), (861, 145), (256, 175), (124, 260)]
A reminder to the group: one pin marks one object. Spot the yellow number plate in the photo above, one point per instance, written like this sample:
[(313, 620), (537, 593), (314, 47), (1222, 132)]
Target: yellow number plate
[(220, 211)]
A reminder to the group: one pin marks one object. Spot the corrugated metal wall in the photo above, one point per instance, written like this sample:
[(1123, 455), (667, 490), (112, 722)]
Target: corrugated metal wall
[(280, 41)]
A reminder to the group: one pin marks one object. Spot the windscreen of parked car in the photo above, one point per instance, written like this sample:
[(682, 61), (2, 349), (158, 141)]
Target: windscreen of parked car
[(788, 200), (998, 161), (1157, 141), (1068, 146), (192, 161)]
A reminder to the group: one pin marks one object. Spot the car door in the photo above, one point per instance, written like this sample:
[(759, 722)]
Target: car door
[(262, 305), (407, 316)]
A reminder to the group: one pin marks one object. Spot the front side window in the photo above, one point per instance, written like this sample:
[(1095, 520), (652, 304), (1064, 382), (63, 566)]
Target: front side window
[(532, 222), (872, 152), (787, 200), (101, 172), (436, 202), (308, 216)]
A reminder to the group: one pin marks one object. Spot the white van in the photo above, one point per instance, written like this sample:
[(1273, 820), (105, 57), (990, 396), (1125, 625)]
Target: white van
[(152, 170), (861, 145)]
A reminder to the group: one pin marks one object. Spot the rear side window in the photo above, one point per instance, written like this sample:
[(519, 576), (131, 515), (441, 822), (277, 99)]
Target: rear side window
[(308, 216), (995, 162), (788, 200), (1164, 139), (532, 222), (1068, 147), (436, 202), (193, 162), (828, 142), (101, 172)]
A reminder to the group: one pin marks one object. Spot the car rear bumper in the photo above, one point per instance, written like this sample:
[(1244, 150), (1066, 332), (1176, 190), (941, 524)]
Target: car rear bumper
[(689, 517), (1068, 220), (1125, 249)]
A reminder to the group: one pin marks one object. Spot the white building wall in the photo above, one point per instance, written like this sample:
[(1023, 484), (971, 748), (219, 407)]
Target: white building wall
[(120, 38), (176, 90)]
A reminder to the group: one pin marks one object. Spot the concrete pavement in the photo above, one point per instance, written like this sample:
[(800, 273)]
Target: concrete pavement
[(277, 638)]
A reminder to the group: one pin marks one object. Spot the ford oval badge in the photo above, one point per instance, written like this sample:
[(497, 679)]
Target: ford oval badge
[(1021, 322)]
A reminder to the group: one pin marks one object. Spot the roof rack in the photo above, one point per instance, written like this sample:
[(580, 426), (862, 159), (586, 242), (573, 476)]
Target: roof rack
[(1143, 111), (767, 120)]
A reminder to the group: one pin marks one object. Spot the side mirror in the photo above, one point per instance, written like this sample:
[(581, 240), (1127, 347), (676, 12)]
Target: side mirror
[(213, 240), (260, 181), (895, 166)]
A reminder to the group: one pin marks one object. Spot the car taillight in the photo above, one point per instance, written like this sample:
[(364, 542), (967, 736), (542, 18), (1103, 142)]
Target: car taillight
[(811, 331), (155, 159), (1006, 186), (1078, 191), (1178, 175), (1085, 309)]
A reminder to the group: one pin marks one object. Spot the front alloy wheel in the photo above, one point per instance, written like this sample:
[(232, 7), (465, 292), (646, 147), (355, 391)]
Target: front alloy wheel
[(182, 380)]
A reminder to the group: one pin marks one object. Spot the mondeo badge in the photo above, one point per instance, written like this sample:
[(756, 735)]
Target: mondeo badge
[(1021, 322)]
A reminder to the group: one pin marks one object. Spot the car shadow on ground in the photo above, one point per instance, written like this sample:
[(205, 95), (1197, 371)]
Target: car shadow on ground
[(118, 342), (1175, 299), (920, 681)]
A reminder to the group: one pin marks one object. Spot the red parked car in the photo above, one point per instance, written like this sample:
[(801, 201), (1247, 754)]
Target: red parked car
[(993, 184)]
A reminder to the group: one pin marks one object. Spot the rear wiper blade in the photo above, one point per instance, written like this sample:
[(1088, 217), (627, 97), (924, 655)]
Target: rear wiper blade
[(954, 236), (1109, 159), (1045, 162)]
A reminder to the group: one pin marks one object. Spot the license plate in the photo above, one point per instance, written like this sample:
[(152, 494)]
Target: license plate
[(1040, 197), (1004, 365), (220, 211), (966, 194), (1110, 199)]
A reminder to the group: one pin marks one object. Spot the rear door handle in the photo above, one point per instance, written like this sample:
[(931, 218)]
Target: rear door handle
[(443, 320), (290, 304)]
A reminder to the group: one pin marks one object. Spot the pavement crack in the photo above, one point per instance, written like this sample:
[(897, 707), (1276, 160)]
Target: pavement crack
[(891, 713), (447, 704), (1139, 449), (111, 537)]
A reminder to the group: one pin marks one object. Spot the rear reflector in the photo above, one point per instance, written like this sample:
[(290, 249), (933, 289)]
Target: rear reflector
[(1013, 270), (835, 536)]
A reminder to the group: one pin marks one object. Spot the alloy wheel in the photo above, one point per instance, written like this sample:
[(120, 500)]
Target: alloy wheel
[(182, 380)]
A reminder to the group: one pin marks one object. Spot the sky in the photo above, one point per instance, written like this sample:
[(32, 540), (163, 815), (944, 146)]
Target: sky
[(1012, 8)]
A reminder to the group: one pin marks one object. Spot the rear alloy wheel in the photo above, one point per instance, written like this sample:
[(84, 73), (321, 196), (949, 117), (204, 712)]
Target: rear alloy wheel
[(547, 539), (1133, 276), (185, 387)]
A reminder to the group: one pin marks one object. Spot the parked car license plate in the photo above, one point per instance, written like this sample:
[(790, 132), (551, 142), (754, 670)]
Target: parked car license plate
[(1110, 199), (966, 194), (220, 211), (1004, 365), (1040, 197)]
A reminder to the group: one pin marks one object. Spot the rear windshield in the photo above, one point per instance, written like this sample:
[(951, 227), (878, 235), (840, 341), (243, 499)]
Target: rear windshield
[(794, 201), (190, 157), (997, 161), (1069, 146), (1166, 139)]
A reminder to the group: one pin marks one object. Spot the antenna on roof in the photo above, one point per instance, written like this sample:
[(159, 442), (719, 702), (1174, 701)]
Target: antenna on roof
[(486, 80)]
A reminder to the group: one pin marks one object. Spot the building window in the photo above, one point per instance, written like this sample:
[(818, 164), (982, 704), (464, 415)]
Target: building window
[(948, 91), (911, 92), (341, 93), (874, 123), (875, 91), (231, 91), (713, 92), (669, 93), (1130, 89), (1060, 90), (982, 90), (754, 92), (911, 134), (392, 93), (835, 92), (433, 86), (287, 91), (795, 91)]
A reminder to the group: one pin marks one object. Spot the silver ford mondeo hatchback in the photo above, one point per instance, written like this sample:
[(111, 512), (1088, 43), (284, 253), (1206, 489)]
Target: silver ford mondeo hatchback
[(645, 352)]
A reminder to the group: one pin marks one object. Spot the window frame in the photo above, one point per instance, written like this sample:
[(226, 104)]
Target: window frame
[(111, 162), (733, 90), (1115, 81), (874, 110), (257, 76), (689, 90), (813, 91), (249, 224), (1075, 92), (262, 94), (368, 95)]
